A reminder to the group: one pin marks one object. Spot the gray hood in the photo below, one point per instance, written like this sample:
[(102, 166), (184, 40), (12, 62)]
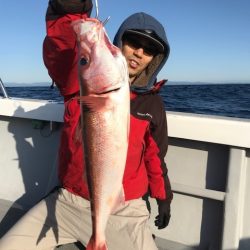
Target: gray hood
[(142, 21)]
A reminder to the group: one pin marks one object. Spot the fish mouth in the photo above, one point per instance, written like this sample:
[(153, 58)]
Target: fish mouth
[(109, 91), (99, 85)]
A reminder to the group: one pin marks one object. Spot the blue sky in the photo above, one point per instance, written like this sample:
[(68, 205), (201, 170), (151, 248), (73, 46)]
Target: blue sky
[(209, 39)]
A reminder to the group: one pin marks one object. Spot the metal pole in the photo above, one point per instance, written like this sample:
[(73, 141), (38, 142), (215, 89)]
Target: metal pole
[(234, 200), (3, 89)]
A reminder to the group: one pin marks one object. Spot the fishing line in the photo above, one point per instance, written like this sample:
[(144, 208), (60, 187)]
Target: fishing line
[(96, 9)]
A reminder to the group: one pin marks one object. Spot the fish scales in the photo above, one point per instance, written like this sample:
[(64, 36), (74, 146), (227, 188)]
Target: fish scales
[(105, 102)]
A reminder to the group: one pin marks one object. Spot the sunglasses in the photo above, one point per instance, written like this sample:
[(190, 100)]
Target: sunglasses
[(149, 49)]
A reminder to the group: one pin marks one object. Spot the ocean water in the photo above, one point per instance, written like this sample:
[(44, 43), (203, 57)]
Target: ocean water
[(231, 100)]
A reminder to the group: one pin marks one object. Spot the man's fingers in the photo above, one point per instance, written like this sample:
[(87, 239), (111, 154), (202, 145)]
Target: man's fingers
[(162, 221)]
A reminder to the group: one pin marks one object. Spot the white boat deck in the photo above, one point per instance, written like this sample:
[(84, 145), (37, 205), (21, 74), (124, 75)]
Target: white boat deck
[(208, 161)]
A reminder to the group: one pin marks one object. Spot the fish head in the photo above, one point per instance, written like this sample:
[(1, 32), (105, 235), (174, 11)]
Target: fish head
[(102, 67)]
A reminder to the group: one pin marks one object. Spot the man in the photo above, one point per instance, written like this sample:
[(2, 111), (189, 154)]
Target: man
[(64, 215)]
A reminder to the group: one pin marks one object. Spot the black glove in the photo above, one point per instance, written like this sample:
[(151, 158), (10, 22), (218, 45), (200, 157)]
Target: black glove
[(162, 219)]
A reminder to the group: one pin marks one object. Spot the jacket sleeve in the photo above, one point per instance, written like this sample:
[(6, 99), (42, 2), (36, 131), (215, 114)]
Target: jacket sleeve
[(59, 46), (156, 149)]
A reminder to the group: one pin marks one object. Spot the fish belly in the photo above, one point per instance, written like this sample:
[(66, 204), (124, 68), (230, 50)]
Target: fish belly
[(105, 146)]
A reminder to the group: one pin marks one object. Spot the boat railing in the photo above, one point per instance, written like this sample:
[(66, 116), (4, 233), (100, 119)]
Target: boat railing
[(2, 87)]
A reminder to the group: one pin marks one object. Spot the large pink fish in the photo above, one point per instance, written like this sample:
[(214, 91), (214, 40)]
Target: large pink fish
[(105, 109)]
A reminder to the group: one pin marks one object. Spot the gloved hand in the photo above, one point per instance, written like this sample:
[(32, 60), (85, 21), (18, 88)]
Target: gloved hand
[(162, 219)]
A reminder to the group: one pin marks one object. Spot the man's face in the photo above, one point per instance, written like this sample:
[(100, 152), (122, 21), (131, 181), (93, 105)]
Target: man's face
[(138, 53)]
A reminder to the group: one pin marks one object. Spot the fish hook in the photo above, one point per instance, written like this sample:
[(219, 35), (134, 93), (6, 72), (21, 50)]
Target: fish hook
[(97, 13), (105, 21)]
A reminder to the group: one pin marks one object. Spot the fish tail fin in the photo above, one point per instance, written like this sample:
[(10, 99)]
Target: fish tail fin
[(92, 245)]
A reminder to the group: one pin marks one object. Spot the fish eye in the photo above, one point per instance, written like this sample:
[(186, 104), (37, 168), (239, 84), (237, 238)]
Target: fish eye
[(83, 61)]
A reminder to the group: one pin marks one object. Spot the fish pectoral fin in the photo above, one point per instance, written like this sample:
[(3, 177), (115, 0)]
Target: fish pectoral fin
[(96, 103)]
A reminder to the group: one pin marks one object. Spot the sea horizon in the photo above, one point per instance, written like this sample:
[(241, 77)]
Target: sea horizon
[(48, 84), (223, 99)]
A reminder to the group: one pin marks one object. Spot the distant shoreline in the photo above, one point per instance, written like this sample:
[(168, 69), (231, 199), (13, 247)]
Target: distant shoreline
[(48, 84)]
